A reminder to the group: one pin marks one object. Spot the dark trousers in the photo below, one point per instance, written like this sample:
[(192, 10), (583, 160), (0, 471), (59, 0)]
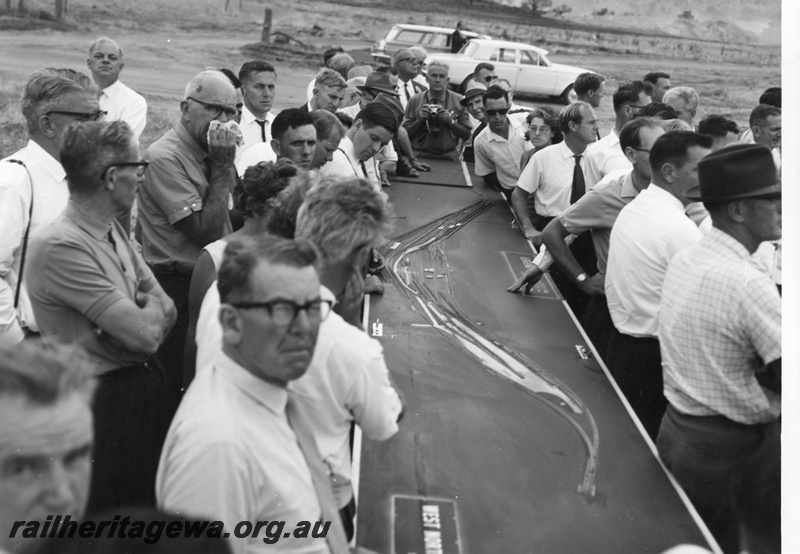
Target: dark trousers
[(598, 324), (170, 353), (635, 364), (130, 424), (731, 473)]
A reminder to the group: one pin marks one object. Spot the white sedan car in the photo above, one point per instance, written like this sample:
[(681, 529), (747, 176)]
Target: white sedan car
[(526, 67)]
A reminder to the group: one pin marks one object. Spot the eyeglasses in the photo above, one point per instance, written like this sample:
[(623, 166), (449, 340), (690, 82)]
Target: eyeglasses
[(641, 149), (140, 167), (501, 111), (284, 312), (539, 130), (216, 109), (412, 61), (99, 115)]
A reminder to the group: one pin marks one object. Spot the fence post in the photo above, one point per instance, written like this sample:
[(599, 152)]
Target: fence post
[(267, 28)]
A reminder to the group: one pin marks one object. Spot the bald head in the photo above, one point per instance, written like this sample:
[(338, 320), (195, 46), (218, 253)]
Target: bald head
[(105, 61), (208, 97)]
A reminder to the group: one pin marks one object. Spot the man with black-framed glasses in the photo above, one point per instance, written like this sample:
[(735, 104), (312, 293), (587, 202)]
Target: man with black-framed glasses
[(89, 286), (33, 188), (408, 67), (185, 197)]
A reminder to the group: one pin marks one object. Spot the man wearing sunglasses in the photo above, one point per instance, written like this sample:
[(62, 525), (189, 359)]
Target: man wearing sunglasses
[(184, 199), (408, 67), (88, 286), (238, 448), (605, 155), (33, 190)]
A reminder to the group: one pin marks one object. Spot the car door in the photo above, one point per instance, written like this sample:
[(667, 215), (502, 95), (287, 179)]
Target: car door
[(505, 64), (535, 77)]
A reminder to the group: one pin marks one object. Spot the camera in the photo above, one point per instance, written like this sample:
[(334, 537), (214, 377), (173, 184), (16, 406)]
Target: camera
[(433, 108)]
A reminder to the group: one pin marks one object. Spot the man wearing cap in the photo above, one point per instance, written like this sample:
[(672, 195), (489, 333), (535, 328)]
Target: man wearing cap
[(648, 232), (720, 334), (408, 67), (473, 101), (500, 145)]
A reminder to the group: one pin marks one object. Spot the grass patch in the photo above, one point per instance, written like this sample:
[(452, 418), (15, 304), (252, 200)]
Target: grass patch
[(13, 133)]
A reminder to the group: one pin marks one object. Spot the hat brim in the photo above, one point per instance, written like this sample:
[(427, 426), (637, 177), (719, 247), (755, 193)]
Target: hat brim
[(362, 88), (695, 194), (468, 97)]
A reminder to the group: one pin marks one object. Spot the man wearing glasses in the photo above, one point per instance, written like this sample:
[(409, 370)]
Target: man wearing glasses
[(408, 67), (239, 448), (184, 199), (33, 190), (88, 286), (605, 155)]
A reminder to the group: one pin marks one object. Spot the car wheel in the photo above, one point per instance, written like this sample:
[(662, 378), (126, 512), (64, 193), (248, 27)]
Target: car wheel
[(568, 96)]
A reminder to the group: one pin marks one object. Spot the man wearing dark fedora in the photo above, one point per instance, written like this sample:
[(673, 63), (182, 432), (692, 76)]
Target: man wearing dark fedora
[(720, 334)]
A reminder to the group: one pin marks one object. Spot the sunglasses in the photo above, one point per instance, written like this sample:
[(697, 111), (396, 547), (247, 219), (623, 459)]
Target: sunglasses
[(216, 109), (82, 116), (501, 111)]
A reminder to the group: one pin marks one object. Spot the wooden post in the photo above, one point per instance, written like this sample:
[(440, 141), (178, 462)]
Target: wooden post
[(267, 28)]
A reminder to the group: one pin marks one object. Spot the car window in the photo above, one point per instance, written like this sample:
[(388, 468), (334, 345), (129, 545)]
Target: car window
[(470, 49), (408, 35), (506, 55), (438, 39), (529, 58)]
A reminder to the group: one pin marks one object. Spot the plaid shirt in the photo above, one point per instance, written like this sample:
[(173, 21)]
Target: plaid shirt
[(719, 324)]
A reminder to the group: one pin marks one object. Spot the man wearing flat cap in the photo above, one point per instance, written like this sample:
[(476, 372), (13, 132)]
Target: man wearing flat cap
[(720, 335), (473, 101)]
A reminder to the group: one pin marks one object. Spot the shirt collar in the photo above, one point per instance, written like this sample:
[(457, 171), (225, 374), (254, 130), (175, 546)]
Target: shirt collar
[(727, 241), (111, 89), (326, 294), (248, 117), (194, 148), (628, 189), (50, 164), (663, 196), (513, 126), (565, 151), (268, 395), (86, 221)]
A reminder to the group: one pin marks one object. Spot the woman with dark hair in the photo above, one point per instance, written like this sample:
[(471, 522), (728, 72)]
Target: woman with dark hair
[(542, 131), (254, 197)]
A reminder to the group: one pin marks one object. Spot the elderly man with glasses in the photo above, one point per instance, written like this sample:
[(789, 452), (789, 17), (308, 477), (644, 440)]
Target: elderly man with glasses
[(33, 190), (408, 68), (184, 199), (88, 286)]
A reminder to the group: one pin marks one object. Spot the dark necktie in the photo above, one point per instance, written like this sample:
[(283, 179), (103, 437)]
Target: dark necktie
[(319, 475), (364, 169), (262, 123), (578, 182), (408, 95)]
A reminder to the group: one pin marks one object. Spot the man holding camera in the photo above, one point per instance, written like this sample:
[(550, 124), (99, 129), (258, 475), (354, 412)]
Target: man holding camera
[(435, 119)]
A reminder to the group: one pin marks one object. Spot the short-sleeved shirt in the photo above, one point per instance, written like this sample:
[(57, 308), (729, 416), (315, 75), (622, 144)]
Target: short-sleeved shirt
[(175, 184), (495, 154), (548, 175), (443, 141), (48, 185), (597, 211), (76, 274), (719, 324), (647, 234), (604, 157), (123, 103), (231, 455)]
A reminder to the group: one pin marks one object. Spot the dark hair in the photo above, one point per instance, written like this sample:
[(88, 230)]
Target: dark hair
[(87, 148), (242, 255), (261, 183), (291, 118), (283, 217), (673, 147), (771, 97), (761, 113), (329, 53), (550, 118), (232, 77), (659, 110), (586, 82), (375, 114), (480, 67), (495, 92), (627, 93), (255, 66), (630, 134), (655, 76), (716, 125), (325, 122), (344, 119), (572, 113)]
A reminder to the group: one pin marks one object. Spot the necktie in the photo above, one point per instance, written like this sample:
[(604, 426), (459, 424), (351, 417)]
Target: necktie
[(578, 182), (364, 169), (262, 123), (319, 475), (408, 96)]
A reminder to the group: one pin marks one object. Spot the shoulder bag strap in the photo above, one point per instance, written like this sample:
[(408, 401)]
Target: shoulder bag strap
[(25, 239)]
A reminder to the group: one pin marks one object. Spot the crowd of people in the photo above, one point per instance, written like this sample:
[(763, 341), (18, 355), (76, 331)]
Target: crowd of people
[(209, 364)]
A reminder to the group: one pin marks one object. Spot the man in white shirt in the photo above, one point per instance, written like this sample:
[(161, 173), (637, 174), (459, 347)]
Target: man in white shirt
[(605, 155), (408, 69), (35, 183), (647, 233), (293, 137), (239, 448), (685, 101), (499, 147), (328, 91), (590, 88), (765, 124), (660, 82), (330, 132), (106, 62), (258, 80)]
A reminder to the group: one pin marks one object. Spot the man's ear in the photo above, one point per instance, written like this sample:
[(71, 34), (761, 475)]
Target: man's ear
[(736, 211), (276, 147), (666, 170), (231, 324), (630, 154), (185, 109)]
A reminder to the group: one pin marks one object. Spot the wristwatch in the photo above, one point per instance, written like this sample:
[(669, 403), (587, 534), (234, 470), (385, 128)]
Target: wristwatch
[(580, 278)]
